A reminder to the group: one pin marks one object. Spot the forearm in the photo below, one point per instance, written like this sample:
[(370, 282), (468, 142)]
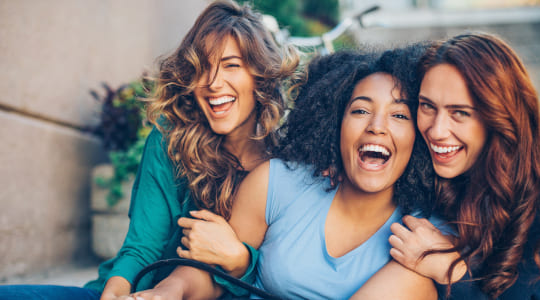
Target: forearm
[(116, 286), (191, 283), (394, 281)]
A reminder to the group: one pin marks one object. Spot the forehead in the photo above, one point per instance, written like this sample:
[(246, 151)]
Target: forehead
[(377, 87), (444, 83), (216, 48)]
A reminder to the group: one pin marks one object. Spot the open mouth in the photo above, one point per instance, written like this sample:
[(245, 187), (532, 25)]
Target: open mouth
[(374, 155), (220, 105)]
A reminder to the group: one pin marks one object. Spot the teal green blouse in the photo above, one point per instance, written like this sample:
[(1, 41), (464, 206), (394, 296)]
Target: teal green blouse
[(158, 200)]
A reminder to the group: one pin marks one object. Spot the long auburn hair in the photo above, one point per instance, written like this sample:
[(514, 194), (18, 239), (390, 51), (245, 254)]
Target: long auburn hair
[(212, 172), (495, 203)]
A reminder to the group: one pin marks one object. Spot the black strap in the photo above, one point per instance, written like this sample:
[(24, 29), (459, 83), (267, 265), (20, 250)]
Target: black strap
[(201, 266)]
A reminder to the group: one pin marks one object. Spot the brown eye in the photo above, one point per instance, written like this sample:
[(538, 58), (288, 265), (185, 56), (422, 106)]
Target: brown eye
[(401, 116), (360, 111), (426, 106)]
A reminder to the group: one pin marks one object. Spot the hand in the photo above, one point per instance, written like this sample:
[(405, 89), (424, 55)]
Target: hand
[(113, 297), (159, 292), (410, 245), (211, 240)]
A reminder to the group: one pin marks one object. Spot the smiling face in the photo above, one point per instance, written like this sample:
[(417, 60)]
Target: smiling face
[(377, 135), (449, 122), (225, 93)]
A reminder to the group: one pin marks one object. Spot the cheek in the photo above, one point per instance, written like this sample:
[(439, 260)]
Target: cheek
[(406, 141)]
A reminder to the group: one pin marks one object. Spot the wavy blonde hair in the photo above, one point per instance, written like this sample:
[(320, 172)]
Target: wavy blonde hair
[(212, 172)]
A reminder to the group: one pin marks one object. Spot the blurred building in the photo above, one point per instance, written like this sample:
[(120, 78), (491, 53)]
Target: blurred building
[(404, 21)]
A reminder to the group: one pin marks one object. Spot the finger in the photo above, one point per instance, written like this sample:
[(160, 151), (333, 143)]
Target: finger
[(400, 231), (186, 222), (397, 255), (185, 232), (395, 241), (206, 215), (185, 241), (426, 223), (412, 222), (145, 295), (183, 253)]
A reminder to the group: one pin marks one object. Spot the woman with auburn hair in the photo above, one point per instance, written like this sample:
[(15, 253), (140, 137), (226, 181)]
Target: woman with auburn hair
[(219, 100), (479, 114)]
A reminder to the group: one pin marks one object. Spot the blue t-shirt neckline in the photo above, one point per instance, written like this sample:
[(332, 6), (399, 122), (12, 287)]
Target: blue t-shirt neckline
[(394, 217)]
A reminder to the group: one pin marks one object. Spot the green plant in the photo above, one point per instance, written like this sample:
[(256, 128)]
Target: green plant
[(299, 17), (123, 129)]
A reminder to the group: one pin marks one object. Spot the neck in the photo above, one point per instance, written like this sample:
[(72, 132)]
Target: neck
[(250, 152), (364, 206)]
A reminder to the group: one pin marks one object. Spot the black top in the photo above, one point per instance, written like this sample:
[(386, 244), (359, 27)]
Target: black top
[(526, 287)]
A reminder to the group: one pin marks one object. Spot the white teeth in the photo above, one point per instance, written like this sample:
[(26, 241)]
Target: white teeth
[(438, 149), (221, 100), (375, 148)]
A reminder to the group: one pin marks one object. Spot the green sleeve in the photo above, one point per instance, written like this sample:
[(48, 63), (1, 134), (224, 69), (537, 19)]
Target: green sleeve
[(249, 276), (153, 212)]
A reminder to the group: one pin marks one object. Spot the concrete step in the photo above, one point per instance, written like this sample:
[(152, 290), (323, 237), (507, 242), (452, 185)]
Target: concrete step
[(69, 275)]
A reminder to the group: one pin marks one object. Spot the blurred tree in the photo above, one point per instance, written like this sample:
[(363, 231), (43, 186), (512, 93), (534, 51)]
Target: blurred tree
[(327, 12), (301, 18)]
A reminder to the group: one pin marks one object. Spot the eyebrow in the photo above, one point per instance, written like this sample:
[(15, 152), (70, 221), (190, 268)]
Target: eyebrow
[(451, 106), (230, 57), (396, 101)]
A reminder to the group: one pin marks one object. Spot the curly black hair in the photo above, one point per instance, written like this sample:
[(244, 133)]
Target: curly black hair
[(311, 134)]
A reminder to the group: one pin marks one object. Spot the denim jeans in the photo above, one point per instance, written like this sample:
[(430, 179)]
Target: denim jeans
[(46, 292)]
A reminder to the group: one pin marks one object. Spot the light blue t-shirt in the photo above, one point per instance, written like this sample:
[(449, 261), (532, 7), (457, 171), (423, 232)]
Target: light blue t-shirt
[(293, 260)]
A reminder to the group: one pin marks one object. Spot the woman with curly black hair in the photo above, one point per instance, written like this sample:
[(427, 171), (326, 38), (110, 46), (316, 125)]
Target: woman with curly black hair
[(353, 119)]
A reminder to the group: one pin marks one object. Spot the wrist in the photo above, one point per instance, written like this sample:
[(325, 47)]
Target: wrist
[(457, 273), (173, 284), (238, 261)]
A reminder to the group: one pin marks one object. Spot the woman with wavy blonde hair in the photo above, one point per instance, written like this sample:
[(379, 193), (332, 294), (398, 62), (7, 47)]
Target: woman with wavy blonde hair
[(479, 114), (219, 100)]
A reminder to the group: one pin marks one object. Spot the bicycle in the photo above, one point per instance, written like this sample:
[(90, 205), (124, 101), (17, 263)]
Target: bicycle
[(321, 44)]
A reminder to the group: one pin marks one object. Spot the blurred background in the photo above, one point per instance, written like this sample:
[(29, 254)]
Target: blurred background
[(70, 77)]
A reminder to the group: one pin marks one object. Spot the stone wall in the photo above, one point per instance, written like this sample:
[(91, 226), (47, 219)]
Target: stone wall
[(52, 53)]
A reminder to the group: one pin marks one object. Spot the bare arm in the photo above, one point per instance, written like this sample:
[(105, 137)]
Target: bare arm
[(394, 281), (249, 208), (182, 283)]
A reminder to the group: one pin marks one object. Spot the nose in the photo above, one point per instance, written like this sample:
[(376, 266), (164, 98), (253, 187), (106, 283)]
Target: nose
[(377, 124), (215, 80), (439, 127)]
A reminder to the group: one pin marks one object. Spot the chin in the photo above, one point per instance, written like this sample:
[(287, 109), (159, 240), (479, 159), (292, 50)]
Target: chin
[(448, 174)]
